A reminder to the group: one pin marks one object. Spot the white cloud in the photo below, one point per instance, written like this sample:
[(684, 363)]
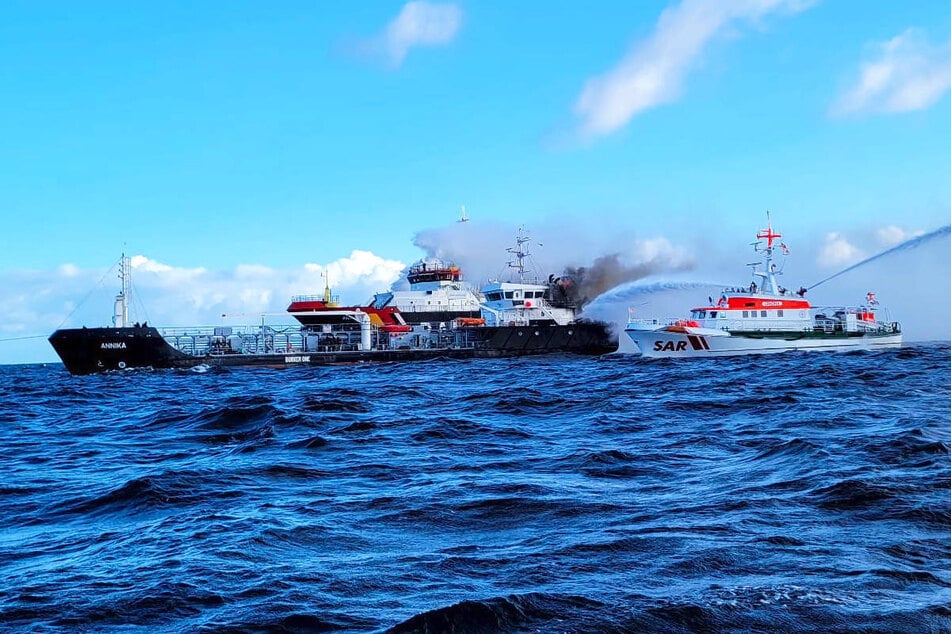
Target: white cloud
[(892, 235), (69, 270), (657, 250), (169, 275), (653, 71), (907, 73), (838, 251), (419, 23), (38, 302)]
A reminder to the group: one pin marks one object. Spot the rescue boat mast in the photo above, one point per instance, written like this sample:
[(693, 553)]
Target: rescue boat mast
[(768, 276)]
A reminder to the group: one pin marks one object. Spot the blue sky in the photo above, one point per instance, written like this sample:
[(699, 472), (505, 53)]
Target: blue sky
[(240, 148)]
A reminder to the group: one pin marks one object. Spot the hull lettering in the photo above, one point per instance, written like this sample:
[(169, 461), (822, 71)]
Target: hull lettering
[(670, 346)]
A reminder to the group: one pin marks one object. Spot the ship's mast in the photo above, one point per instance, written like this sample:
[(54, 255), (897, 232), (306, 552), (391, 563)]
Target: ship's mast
[(769, 276), (520, 254), (120, 318)]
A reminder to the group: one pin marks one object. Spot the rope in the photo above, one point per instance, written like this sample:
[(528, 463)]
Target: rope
[(26, 337), (91, 291)]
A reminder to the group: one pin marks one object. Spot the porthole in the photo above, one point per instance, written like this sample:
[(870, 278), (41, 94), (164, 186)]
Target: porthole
[(122, 365)]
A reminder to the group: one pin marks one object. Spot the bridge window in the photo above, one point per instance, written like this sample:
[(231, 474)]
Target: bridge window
[(746, 313), (762, 313), (713, 314), (508, 294), (779, 313)]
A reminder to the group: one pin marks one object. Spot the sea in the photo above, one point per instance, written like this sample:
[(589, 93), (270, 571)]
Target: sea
[(799, 492)]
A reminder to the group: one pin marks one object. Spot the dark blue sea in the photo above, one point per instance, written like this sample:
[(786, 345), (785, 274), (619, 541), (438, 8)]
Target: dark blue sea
[(797, 492)]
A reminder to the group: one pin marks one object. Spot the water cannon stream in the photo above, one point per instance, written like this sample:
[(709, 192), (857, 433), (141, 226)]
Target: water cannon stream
[(904, 246)]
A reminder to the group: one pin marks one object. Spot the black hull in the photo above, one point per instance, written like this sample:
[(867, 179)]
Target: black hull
[(583, 337), (92, 350), (95, 350)]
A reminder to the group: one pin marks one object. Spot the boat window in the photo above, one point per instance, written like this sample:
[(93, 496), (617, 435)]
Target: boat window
[(713, 314), (762, 313), (746, 313), (779, 313), (508, 294), (703, 314)]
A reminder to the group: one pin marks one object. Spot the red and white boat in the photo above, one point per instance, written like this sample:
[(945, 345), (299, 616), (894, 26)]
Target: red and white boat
[(763, 318)]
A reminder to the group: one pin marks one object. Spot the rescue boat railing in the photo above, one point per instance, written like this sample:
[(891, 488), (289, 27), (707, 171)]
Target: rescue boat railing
[(334, 299), (650, 324)]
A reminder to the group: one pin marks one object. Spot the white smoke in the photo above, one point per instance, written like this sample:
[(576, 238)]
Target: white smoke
[(556, 246)]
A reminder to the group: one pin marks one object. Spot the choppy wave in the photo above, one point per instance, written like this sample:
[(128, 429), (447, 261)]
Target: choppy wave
[(799, 492)]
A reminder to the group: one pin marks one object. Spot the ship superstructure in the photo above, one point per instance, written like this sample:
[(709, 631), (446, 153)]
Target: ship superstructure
[(518, 302), (437, 294)]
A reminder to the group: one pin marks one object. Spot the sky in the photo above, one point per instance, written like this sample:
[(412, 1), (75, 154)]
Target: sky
[(238, 151)]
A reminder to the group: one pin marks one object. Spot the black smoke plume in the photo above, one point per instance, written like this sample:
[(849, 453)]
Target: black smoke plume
[(607, 272), (561, 248)]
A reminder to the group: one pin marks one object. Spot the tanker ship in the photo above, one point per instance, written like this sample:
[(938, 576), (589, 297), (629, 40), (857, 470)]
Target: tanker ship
[(438, 317)]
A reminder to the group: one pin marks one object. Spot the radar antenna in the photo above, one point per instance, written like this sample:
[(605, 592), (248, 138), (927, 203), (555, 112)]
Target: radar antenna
[(520, 254)]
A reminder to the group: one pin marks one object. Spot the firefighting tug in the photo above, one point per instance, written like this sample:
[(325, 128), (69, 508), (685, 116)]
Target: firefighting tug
[(764, 318), (437, 318)]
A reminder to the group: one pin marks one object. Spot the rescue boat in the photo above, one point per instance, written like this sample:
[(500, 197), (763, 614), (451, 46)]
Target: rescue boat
[(765, 318)]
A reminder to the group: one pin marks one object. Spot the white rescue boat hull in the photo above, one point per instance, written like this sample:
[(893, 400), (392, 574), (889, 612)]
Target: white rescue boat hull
[(705, 342)]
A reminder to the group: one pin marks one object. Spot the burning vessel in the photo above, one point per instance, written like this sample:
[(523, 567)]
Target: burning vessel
[(763, 318), (438, 317)]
